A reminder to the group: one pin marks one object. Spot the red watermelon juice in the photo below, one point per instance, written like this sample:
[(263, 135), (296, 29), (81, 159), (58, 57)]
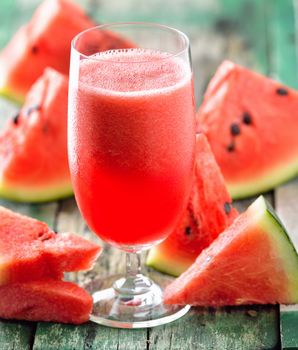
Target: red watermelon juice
[(131, 144)]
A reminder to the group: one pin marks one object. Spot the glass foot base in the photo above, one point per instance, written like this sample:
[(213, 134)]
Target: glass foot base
[(140, 310)]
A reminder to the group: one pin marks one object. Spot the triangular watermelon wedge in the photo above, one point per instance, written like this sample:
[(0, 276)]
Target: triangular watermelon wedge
[(252, 126), (47, 300), (33, 145), (30, 250), (251, 262), (208, 213)]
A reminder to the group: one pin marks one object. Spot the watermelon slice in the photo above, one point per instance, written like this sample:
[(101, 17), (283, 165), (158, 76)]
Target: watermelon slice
[(251, 262), (208, 213), (30, 250), (45, 42), (33, 145), (251, 124), (47, 300)]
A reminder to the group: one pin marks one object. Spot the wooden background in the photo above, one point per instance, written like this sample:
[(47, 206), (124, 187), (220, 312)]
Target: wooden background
[(257, 33)]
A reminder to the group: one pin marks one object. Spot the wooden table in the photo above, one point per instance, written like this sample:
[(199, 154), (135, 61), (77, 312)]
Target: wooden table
[(257, 33)]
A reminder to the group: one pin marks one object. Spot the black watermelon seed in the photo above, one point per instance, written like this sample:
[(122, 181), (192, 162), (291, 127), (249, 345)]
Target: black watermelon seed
[(282, 91), (231, 147), (15, 119), (235, 129), (246, 118), (34, 49), (227, 208), (187, 230)]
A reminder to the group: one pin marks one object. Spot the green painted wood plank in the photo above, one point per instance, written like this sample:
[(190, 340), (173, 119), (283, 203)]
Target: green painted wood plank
[(178, 13), (231, 329), (283, 39), (287, 207), (247, 19), (16, 335), (89, 336), (286, 204), (239, 329), (233, 37), (14, 13), (289, 327), (284, 34)]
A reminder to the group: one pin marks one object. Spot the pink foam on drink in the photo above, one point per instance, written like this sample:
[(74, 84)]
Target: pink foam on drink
[(131, 72)]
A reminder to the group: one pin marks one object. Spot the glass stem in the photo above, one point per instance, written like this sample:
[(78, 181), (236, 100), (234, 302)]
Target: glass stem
[(134, 282), (133, 264)]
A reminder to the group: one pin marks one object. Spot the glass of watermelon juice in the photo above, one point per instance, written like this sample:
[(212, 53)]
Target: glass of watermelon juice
[(131, 140)]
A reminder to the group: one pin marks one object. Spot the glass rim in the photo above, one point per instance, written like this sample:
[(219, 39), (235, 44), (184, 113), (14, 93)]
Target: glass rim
[(186, 43)]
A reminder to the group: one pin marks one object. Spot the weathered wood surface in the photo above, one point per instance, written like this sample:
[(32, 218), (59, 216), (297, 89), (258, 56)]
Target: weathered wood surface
[(257, 33), (284, 46), (289, 326), (286, 204)]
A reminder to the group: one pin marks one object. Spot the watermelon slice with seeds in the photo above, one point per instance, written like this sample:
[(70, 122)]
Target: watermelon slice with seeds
[(45, 42), (252, 262), (252, 126), (33, 145), (30, 250), (208, 213), (46, 300)]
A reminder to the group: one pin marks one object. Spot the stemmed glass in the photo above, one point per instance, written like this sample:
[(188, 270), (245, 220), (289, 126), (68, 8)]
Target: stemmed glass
[(131, 140)]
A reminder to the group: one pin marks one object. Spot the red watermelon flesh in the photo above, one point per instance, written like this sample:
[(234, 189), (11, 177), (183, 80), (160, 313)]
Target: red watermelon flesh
[(46, 300), (252, 126), (45, 42), (33, 145), (208, 213), (30, 250), (252, 262)]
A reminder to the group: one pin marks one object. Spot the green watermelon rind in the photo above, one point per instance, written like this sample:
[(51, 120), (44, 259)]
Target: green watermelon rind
[(281, 242), (5, 92), (35, 194), (266, 182), (169, 264)]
